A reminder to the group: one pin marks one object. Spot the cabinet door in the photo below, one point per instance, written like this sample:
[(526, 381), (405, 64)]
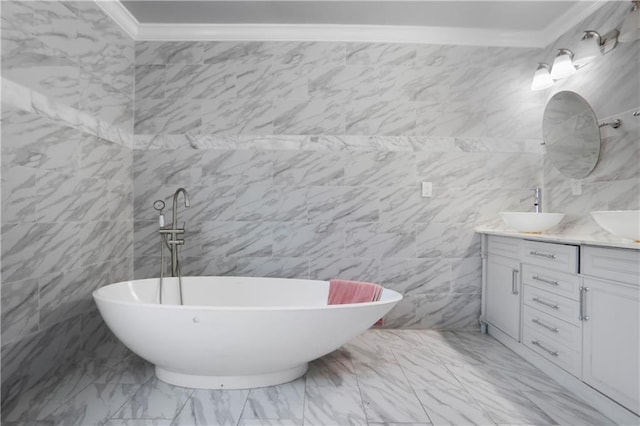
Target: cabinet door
[(611, 341), (503, 295)]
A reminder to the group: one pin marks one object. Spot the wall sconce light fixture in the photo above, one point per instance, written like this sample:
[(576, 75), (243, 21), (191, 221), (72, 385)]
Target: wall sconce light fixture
[(630, 30), (542, 77), (588, 48), (592, 46), (563, 65)]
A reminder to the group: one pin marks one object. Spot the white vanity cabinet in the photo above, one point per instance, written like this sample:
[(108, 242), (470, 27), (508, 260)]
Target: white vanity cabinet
[(573, 310), (611, 326), (503, 285)]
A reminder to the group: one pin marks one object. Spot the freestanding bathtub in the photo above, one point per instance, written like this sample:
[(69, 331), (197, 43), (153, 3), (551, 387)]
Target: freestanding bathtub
[(233, 332)]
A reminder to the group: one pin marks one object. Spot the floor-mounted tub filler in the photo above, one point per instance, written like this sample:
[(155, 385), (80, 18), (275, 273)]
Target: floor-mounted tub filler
[(233, 332)]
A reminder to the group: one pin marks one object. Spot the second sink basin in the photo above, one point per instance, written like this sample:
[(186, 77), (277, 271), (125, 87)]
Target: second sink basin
[(531, 222), (622, 223)]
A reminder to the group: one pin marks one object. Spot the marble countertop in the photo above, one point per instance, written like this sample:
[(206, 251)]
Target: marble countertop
[(592, 240)]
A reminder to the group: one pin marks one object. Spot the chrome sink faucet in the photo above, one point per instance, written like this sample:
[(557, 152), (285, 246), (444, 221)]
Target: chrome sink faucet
[(173, 241), (537, 200)]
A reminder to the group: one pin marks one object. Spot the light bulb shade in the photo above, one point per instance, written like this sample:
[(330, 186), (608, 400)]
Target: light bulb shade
[(630, 30), (563, 65), (588, 49), (541, 78)]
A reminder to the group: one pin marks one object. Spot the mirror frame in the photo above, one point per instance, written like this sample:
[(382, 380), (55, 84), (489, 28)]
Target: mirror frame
[(571, 134)]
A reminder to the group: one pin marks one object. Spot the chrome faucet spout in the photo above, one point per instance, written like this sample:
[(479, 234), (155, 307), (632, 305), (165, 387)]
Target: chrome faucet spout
[(175, 204), (537, 201), (173, 241)]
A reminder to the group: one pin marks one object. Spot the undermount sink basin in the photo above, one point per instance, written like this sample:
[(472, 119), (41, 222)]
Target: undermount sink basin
[(622, 223), (531, 222)]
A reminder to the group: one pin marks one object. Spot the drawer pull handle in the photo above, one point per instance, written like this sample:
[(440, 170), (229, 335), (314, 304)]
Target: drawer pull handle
[(544, 280), (514, 281), (583, 304), (543, 325), (547, 255), (549, 351), (542, 302)]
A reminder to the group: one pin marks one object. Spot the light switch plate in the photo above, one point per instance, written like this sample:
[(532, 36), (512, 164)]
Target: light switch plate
[(576, 187), (427, 189)]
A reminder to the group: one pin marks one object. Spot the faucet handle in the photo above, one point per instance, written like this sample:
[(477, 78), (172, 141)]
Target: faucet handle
[(158, 205), (537, 192)]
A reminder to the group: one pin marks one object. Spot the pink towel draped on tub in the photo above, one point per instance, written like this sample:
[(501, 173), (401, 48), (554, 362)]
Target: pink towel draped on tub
[(345, 291)]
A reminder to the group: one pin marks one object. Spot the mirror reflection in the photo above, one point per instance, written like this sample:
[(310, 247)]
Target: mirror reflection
[(571, 134)]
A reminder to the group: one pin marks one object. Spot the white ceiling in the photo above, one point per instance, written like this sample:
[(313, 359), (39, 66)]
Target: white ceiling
[(517, 23), (507, 15)]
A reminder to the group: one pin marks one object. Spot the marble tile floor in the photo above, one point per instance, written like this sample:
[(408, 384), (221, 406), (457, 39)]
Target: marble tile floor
[(384, 377)]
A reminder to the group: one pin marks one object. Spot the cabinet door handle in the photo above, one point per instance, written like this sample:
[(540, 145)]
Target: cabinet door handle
[(514, 281), (543, 325), (583, 304), (542, 302), (544, 280), (549, 351), (547, 255)]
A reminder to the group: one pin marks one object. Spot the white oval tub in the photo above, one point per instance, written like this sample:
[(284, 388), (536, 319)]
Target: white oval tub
[(233, 332)]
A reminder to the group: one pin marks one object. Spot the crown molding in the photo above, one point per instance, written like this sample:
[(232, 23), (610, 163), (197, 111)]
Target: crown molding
[(121, 16), (569, 19), (350, 33)]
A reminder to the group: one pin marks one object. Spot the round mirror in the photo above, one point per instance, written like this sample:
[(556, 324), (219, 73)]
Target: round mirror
[(571, 134)]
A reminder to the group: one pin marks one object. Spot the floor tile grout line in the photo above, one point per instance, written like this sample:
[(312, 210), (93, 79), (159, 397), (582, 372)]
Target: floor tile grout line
[(411, 387), (79, 391), (508, 381), (244, 407), (183, 405), (355, 373), (304, 399), (128, 399), (537, 406), (478, 403), (64, 401), (575, 397), (484, 410)]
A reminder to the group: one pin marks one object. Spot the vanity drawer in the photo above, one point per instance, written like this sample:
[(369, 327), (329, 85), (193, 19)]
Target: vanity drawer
[(557, 331), (563, 356), (612, 264), (505, 246), (556, 256), (552, 304), (561, 283)]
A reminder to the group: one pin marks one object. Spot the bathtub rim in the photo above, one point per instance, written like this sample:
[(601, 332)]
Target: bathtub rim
[(96, 294)]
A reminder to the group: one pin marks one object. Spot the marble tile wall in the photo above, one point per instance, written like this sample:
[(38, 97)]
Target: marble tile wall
[(67, 188), (305, 160), (612, 87)]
